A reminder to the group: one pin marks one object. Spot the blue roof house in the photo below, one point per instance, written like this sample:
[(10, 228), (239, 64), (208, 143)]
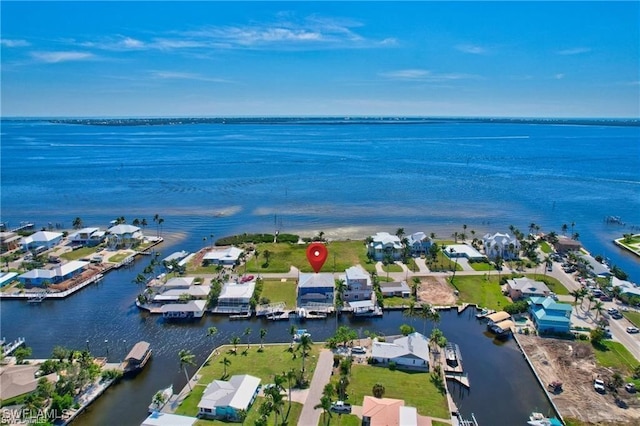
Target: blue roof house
[(550, 316)]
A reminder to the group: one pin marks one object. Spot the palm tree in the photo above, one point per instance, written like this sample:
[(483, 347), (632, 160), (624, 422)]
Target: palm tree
[(234, 341), (339, 303), (143, 223), (325, 405), (225, 363), (415, 284), (305, 346), (598, 307), (410, 311), (425, 313), (263, 332), (77, 223), (247, 332), (266, 254), (212, 331), (564, 228), (186, 358), (400, 233), (576, 295), (290, 376), (158, 400), (378, 390)]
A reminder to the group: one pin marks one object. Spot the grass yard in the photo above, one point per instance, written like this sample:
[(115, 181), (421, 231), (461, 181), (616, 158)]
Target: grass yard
[(634, 317), (342, 254), (396, 301), (274, 359), (481, 290), (429, 401), (392, 267), (442, 263), (482, 266), (119, 257), (253, 415), (545, 247), (278, 291), (341, 420), (553, 284), (79, 253), (615, 355)]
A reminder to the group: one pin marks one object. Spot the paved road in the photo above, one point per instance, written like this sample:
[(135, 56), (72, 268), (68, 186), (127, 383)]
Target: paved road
[(309, 415)]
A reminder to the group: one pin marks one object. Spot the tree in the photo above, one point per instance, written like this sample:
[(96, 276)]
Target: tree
[(77, 223), (186, 358), (598, 307), (378, 390), (325, 406), (263, 333), (415, 284), (304, 345), (158, 400), (564, 228), (400, 233), (247, 332), (234, 341), (406, 329), (21, 353), (225, 363), (266, 254), (410, 311), (616, 381)]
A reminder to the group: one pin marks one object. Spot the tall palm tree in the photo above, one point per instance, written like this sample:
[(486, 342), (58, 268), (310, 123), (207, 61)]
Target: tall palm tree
[(425, 313), (263, 332), (415, 284), (225, 363), (598, 307), (290, 376), (410, 311), (212, 331), (325, 406), (247, 332), (339, 302), (186, 358), (234, 341), (576, 296), (266, 254), (77, 223), (400, 233), (304, 345)]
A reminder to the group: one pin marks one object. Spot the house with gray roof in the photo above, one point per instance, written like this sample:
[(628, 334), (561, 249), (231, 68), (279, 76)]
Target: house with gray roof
[(501, 244), (410, 351), (314, 288), (526, 287), (44, 239), (124, 236), (89, 237), (358, 284), (224, 399), (419, 243), (384, 244)]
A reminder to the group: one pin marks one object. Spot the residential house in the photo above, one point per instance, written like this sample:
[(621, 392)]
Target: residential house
[(626, 287), (179, 294), (124, 236), (504, 245), (384, 245), (593, 267), (178, 283), (550, 316), (224, 399), (315, 289), (190, 310), (236, 297), (387, 412), (16, 380), (410, 351), (9, 241), (65, 271), (357, 284), (158, 418), (419, 243), (463, 250), (399, 289), (224, 256), (565, 245), (87, 237), (39, 239), (524, 287)]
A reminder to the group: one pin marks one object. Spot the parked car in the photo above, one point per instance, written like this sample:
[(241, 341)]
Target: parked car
[(632, 330), (630, 387), (358, 350), (605, 298), (341, 407), (612, 310), (598, 385), (616, 315)]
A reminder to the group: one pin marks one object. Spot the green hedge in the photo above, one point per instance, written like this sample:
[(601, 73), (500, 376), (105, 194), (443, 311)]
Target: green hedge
[(256, 238)]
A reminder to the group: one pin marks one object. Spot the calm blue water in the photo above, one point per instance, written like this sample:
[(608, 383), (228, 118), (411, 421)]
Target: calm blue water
[(359, 178), (355, 179)]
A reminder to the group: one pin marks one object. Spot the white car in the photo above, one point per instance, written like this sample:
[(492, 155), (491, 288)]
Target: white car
[(632, 330), (358, 350), (598, 385)]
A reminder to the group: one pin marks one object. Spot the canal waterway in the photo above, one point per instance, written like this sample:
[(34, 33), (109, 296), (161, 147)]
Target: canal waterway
[(103, 318)]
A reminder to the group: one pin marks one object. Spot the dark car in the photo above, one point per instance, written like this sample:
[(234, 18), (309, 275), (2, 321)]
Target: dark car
[(605, 298), (617, 315)]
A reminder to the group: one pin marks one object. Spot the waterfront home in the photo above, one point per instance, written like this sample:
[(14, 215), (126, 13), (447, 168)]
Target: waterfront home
[(40, 239), (137, 358), (189, 310), (235, 297), (387, 412), (358, 284), (223, 256), (550, 316), (395, 288), (179, 294), (178, 283), (524, 287), (37, 277), (463, 250), (166, 419), (7, 277), (593, 267), (626, 287), (223, 399), (315, 288), (410, 351), (419, 243), (383, 245), (87, 237), (565, 245), (124, 236), (9, 241), (16, 380), (501, 244)]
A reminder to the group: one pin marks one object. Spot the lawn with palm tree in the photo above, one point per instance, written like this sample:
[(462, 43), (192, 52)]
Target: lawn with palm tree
[(482, 290)]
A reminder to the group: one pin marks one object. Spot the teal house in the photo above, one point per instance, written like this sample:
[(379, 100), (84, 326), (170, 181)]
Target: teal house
[(550, 316), (224, 400)]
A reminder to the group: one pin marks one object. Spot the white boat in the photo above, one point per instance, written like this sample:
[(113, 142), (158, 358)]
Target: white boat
[(299, 333), (165, 396), (36, 298), (539, 419)]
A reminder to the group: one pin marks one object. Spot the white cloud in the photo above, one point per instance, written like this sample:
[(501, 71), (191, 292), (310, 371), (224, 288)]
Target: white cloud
[(559, 76), (574, 51), (14, 43), (471, 48), (177, 75), (62, 56), (426, 75)]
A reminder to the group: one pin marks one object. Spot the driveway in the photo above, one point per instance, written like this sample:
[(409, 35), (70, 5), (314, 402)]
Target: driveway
[(321, 376)]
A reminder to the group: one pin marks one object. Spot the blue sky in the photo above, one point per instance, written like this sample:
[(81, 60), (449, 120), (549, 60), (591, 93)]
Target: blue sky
[(539, 59)]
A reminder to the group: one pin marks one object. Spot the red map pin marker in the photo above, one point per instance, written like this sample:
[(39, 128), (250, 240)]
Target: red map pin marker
[(317, 255)]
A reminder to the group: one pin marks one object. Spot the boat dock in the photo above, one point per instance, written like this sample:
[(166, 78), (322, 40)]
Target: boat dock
[(452, 365), (8, 349)]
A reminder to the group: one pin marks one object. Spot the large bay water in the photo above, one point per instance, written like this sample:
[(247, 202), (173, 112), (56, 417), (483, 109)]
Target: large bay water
[(344, 180)]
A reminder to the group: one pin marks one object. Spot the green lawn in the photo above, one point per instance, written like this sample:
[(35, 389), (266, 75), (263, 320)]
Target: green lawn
[(481, 290), (615, 355), (545, 247), (553, 284), (482, 266), (429, 401), (634, 317), (392, 267), (442, 263), (275, 359), (342, 254), (79, 253), (119, 257), (341, 420), (253, 415), (278, 291), (396, 301)]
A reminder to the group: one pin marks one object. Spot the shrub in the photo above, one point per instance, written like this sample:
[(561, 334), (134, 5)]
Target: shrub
[(392, 365)]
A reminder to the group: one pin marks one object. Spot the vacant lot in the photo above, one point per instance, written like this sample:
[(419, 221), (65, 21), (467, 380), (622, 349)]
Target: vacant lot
[(436, 291)]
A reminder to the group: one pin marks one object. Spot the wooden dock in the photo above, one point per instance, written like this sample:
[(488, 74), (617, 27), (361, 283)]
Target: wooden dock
[(8, 349)]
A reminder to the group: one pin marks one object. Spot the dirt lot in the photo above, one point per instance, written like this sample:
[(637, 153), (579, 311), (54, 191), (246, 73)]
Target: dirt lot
[(573, 364), (435, 291)]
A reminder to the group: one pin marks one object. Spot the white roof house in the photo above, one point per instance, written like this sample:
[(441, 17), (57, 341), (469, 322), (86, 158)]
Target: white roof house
[(315, 288), (55, 275), (123, 229), (194, 291), (358, 284), (463, 250), (383, 244), (411, 351), (41, 238), (226, 256), (395, 288), (504, 245), (419, 242), (179, 282), (236, 297), (191, 309), (124, 236), (222, 398), (166, 419)]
